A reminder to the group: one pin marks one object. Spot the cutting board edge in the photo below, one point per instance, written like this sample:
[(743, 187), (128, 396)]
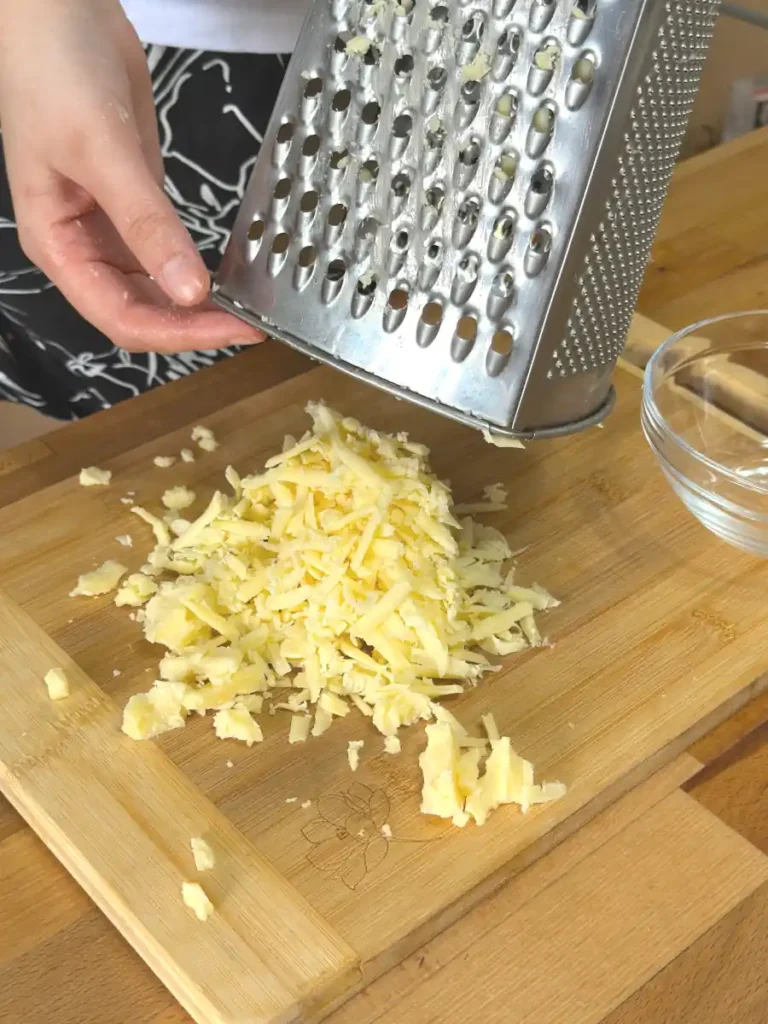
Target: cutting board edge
[(671, 754), (44, 807)]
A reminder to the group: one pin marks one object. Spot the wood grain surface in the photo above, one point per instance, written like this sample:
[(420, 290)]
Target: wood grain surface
[(578, 947), (61, 962), (710, 255), (119, 816), (623, 555)]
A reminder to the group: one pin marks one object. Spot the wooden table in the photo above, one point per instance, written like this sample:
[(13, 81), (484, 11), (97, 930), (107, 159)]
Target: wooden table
[(644, 952)]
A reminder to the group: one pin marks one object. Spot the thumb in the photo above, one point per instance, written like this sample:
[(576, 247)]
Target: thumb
[(126, 190)]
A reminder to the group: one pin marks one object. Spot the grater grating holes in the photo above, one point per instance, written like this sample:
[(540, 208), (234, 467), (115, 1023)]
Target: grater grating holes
[(370, 113), (404, 66), (502, 8), (581, 21), (541, 14), (546, 59), (500, 192), (333, 281), (464, 338), (397, 307), (465, 279), (503, 176), (313, 88), (499, 352), (465, 224), (541, 130), (581, 81), (502, 236), (540, 190), (278, 253), (507, 51), (539, 248), (285, 133), (501, 295), (615, 264), (429, 324), (305, 267), (339, 160)]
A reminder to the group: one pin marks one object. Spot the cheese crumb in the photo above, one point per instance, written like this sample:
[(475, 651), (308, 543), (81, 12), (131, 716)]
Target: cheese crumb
[(237, 724), (116, 672), (178, 498), (147, 715), (292, 800), (386, 831), (164, 461), (306, 805), (477, 70), (136, 590), (187, 455), (99, 581), (300, 726), (501, 441), (353, 753), (547, 57), (92, 476), (193, 895), (159, 528), (392, 744), (504, 105), (496, 493), (358, 46), (203, 854), (454, 788), (125, 539), (203, 436), (57, 683)]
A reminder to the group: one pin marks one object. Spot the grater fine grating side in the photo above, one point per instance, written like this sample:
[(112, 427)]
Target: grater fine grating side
[(457, 202)]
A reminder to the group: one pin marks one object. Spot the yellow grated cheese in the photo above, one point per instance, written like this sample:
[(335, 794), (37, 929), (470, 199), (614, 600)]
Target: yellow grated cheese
[(203, 437), (336, 579), (92, 476), (353, 753), (99, 581), (57, 683), (178, 498), (203, 854), (392, 745), (300, 726), (194, 896)]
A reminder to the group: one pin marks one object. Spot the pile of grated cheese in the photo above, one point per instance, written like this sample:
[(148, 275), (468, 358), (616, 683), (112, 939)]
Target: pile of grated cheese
[(338, 579)]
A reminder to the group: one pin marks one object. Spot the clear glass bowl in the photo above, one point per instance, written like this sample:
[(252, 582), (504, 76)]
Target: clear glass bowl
[(705, 415)]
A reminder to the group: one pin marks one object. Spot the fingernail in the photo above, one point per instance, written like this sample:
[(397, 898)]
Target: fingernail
[(184, 279), (247, 341)]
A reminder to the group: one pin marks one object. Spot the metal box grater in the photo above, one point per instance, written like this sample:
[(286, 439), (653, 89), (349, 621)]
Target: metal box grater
[(456, 201)]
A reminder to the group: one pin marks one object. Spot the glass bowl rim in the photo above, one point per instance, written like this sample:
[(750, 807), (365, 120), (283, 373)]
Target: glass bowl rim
[(661, 423)]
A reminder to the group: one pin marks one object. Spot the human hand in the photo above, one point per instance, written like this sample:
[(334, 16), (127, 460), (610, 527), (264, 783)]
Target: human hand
[(86, 173)]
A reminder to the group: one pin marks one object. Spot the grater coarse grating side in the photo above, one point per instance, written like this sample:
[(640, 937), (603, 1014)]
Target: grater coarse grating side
[(457, 202)]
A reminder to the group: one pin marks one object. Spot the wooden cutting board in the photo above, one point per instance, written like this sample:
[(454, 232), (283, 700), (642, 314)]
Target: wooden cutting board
[(659, 636)]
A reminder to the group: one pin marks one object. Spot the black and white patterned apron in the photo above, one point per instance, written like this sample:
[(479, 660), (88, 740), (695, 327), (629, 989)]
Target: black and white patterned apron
[(212, 110)]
